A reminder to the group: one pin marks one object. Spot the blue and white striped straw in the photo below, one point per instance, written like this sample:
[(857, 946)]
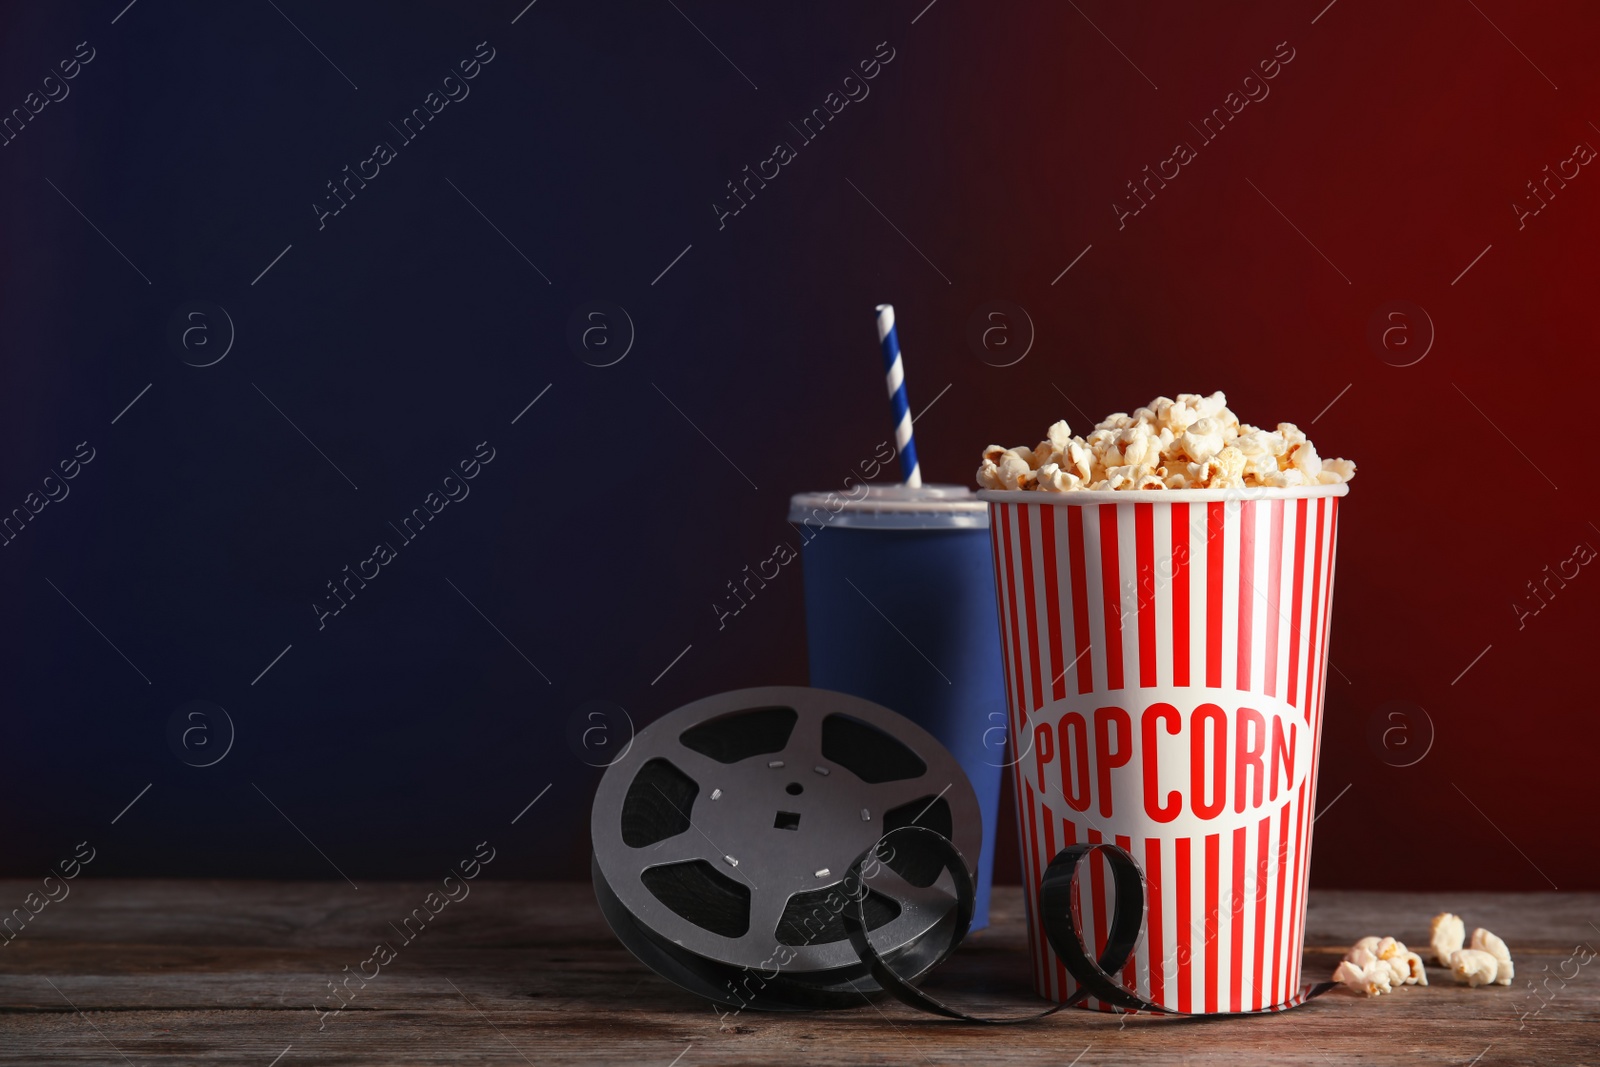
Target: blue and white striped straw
[(896, 373)]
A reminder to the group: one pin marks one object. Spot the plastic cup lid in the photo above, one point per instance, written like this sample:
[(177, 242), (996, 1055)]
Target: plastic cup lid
[(893, 507)]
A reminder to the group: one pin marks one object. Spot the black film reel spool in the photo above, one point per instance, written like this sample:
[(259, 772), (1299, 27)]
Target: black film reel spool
[(724, 840)]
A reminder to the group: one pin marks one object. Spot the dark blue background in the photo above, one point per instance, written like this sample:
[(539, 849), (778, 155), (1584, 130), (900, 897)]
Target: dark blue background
[(399, 337), (985, 162)]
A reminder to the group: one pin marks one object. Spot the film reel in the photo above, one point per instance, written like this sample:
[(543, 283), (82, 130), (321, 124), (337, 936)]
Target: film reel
[(724, 839)]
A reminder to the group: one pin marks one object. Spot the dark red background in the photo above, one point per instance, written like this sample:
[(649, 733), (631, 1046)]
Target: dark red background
[(1397, 140), (997, 140)]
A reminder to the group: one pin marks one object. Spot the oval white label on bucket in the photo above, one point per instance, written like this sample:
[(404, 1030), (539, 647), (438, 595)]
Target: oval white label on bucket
[(1166, 762)]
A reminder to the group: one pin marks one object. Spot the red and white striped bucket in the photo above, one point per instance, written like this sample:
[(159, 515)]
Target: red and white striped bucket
[(1165, 656)]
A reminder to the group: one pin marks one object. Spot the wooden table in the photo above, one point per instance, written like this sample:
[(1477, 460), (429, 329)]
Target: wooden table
[(147, 972)]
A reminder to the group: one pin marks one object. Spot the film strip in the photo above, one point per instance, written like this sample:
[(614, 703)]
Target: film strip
[(1094, 977), (790, 849)]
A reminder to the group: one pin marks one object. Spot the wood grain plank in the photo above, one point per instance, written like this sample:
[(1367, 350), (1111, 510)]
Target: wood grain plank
[(227, 973)]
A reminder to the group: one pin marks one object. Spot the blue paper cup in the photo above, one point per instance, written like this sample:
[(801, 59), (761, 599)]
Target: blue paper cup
[(900, 610)]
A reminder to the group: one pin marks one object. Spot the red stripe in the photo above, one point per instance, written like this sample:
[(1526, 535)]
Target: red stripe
[(1178, 554), (1130, 972), (1152, 873), (1263, 854), (1111, 594), (1184, 883), (1216, 536), (1069, 836), (1000, 591), (1313, 657), (1296, 946), (1327, 624), (1034, 875), (1017, 704), (1308, 796), (1048, 818), (1318, 677), (1308, 787), (1180, 594), (1018, 735), (1236, 924), (1278, 996), (1274, 612), (1212, 877), (1052, 599), (1097, 886), (1080, 598), (1145, 542), (1025, 532), (1247, 589), (999, 520), (1297, 590), (1002, 595)]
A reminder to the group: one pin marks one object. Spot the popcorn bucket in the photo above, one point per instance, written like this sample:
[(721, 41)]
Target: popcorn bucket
[(1165, 653)]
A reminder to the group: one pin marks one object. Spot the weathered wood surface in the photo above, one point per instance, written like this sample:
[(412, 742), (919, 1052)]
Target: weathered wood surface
[(226, 973)]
